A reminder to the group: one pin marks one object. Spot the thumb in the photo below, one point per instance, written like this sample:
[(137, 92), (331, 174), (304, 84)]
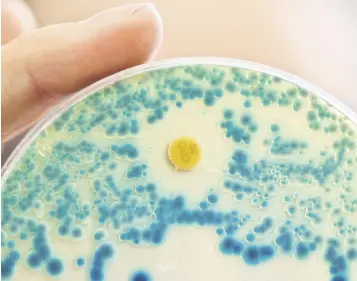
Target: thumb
[(54, 61)]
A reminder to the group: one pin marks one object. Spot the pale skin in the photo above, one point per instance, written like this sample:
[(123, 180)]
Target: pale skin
[(41, 68)]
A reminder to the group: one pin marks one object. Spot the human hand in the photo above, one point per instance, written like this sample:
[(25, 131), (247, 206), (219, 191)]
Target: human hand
[(39, 69)]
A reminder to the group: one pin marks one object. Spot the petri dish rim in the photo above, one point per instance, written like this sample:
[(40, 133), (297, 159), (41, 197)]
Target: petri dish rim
[(163, 64)]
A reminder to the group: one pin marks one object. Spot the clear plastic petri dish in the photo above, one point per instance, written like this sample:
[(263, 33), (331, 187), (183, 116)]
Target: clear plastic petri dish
[(186, 169)]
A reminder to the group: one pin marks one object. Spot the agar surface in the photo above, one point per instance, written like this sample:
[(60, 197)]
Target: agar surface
[(277, 177)]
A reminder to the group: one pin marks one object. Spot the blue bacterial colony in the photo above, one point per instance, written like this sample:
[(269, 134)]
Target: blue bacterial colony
[(140, 275), (292, 196)]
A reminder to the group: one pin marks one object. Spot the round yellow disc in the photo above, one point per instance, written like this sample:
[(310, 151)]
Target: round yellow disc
[(184, 153)]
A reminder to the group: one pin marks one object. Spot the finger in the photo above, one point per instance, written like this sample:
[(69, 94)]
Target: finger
[(10, 25), (38, 70), (24, 13)]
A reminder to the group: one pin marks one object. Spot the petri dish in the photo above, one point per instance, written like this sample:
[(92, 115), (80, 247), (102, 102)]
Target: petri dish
[(185, 169)]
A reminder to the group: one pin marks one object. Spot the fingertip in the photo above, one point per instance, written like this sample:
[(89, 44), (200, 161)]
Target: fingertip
[(58, 60), (152, 30), (143, 20), (152, 10), (10, 24)]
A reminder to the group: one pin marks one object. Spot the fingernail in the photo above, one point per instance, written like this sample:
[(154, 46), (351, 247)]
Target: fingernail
[(147, 6), (122, 12), (151, 8), (141, 7), (24, 13)]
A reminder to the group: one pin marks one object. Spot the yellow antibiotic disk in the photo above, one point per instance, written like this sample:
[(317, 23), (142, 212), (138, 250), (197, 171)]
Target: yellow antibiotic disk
[(184, 153)]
